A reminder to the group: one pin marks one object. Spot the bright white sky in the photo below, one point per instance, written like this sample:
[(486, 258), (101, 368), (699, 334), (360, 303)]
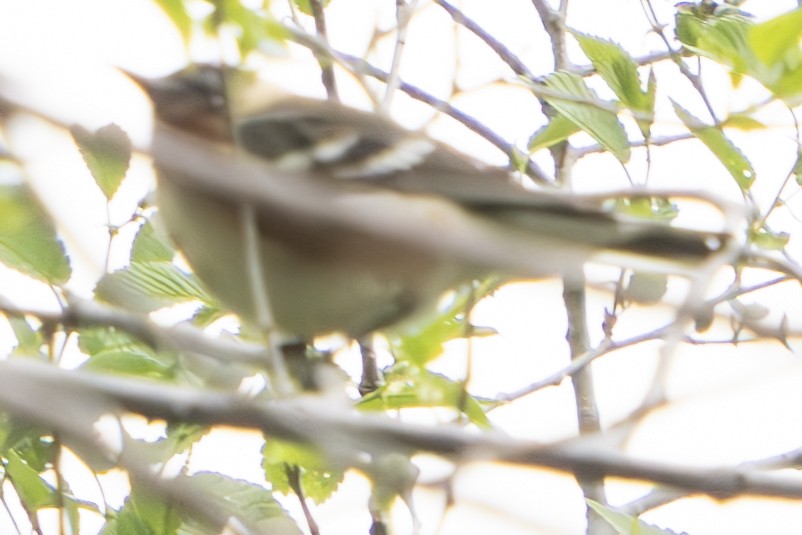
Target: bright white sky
[(733, 403)]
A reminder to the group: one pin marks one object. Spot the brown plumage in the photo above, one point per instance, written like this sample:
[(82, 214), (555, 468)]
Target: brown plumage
[(332, 276)]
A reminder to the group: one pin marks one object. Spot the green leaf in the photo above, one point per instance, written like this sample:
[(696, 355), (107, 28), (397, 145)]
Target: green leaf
[(113, 351), (769, 240), (144, 514), (149, 286), (617, 69), (649, 101), (131, 363), (558, 129), (788, 86), (206, 314), (768, 52), (600, 123), (251, 503), (743, 122), (776, 44), (176, 10), (93, 340), (406, 387), (29, 340), (179, 438), (107, 153), (318, 478), (421, 341), (257, 29), (722, 148), (654, 208), (688, 26), (725, 40), (31, 444), (647, 288), (777, 40), (28, 241), (720, 38), (151, 245), (306, 8), (393, 475), (626, 524), (182, 436), (33, 491)]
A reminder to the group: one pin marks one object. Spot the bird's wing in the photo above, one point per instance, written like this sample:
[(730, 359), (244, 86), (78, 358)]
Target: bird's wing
[(366, 149)]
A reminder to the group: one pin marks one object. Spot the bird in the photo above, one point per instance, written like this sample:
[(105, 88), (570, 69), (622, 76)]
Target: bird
[(324, 278)]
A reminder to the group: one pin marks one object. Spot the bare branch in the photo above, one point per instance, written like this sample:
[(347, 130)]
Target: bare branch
[(554, 24), (338, 430), (326, 67), (403, 11), (580, 152), (183, 336), (504, 53)]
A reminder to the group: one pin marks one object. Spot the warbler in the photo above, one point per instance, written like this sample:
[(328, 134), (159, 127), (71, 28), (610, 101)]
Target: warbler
[(325, 278)]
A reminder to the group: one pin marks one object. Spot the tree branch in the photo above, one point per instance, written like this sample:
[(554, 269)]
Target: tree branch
[(504, 53), (44, 394), (326, 67), (361, 66)]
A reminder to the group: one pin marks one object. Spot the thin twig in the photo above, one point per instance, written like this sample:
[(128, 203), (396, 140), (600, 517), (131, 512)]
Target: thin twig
[(403, 11), (580, 152), (183, 336), (590, 481), (504, 53), (608, 346), (371, 378), (326, 66), (360, 66), (660, 497), (693, 78), (294, 479), (554, 24), (578, 363)]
